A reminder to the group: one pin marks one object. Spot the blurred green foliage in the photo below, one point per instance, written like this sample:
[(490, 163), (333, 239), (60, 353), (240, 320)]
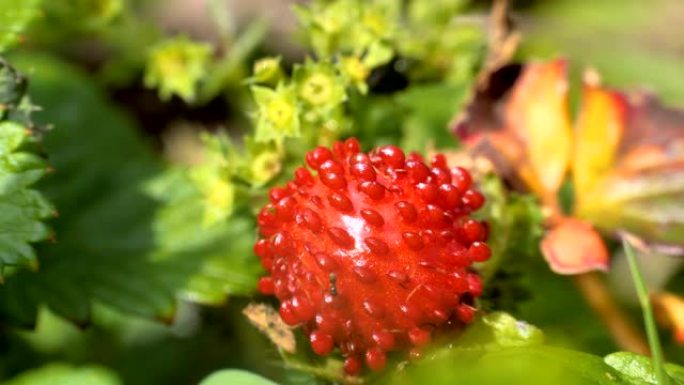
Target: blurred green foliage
[(15, 15), (59, 374)]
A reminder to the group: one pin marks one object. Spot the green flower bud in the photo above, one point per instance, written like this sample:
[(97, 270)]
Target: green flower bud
[(319, 85), (213, 179), (277, 115), (267, 71), (177, 66), (264, 166), (356, 71), (219, 197)]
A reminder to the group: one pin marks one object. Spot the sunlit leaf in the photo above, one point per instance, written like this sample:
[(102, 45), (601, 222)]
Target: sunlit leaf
[(15, 15), (638, 369), (235, 377), (501, 350), (63, 374)]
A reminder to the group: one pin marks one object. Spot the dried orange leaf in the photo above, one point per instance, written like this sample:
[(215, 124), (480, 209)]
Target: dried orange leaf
[(538, 114), (597, 134), (521, 123), (573, 247), (640, 186)]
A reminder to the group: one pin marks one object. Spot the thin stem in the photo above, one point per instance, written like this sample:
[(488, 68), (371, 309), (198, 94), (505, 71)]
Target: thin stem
[(223, 20), (649, 320)]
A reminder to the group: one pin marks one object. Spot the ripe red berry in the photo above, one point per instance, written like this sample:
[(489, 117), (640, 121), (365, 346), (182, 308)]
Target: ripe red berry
[(352, 365), (371, 253), (321, 342), (473, 199), (376, 358)]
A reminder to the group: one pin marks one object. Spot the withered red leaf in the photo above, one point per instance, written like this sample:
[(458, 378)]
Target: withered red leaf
[(625, 153)]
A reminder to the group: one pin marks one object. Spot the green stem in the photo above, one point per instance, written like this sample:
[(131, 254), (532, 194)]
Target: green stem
[(649, 320), (223, 20)]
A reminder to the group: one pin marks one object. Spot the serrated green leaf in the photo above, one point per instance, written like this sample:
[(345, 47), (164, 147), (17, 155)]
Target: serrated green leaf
[(131, 235), (22, 209), (12, 87), (15, 15), (63, 374), (235, 377), (221, 250)]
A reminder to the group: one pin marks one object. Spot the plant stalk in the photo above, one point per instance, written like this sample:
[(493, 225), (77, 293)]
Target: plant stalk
[(649, 320)]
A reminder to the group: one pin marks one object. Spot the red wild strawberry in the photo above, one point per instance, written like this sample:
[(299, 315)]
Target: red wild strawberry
[(372, 253)]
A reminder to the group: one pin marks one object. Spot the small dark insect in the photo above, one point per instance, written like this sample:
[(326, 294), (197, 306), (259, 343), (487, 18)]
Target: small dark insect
[(333, 281)]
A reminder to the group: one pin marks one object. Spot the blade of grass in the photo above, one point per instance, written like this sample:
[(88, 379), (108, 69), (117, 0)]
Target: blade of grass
[(649, 321)]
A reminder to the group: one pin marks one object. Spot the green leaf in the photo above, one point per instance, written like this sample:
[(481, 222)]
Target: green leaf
[(15, 15), (515, 231), (378, 54), (103, 232), (131, 234), (87, 15), (219, 251), (235, 377), (430, 108), (22, 209), (638, 369), (12, 87), (498, 349), (63, 374), (500, 330)]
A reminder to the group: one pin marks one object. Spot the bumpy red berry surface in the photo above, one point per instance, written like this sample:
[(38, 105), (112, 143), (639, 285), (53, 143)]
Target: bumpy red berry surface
[(372, 252)]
